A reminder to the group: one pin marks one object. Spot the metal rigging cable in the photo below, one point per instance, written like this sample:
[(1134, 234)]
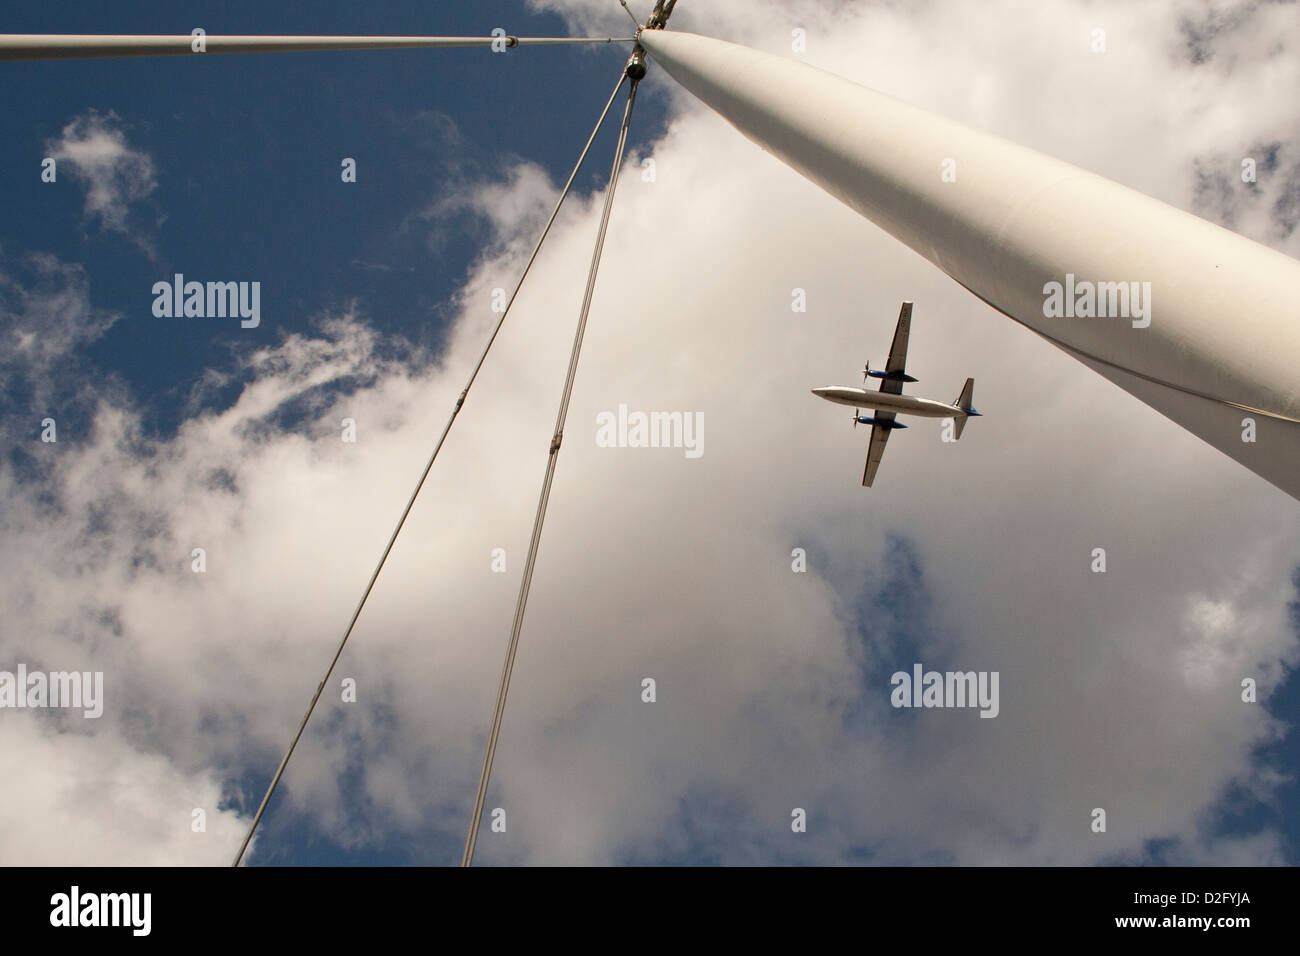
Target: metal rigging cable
[(429, 465), (634, 71)]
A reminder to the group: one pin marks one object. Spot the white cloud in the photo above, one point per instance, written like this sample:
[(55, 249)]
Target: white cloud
[(48, 314), (1118, 690), (96, 800), (115, 174), (45, 316)]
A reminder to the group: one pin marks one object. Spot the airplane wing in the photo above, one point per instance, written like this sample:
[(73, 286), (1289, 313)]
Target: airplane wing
[(876, 447), (897, 356)]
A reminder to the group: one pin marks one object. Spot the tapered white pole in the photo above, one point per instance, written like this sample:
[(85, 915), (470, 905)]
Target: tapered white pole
[(1223, 340), (41, 46)]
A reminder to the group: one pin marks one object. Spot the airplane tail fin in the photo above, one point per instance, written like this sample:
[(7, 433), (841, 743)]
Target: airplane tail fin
[(963, 402)]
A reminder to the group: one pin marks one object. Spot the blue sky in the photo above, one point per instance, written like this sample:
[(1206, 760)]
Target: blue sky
[(247, 154), (1120, 691)]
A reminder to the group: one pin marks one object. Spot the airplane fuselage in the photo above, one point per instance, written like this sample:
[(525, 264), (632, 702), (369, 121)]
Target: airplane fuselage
[(887, 402)]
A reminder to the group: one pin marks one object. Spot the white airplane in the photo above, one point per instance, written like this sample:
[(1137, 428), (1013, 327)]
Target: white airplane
[(890, 401)]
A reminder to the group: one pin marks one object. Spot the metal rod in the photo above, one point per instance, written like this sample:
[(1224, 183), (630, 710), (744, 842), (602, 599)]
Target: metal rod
[(72, 46), (629, 12)]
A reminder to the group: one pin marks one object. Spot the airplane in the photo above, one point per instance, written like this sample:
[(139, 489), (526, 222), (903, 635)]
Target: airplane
[(889, 401)]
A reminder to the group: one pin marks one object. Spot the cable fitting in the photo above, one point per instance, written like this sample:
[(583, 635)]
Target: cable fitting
[(659, 17), (636, 64)]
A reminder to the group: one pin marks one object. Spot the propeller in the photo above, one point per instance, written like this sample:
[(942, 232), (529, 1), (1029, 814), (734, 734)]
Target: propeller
[(866, 370)]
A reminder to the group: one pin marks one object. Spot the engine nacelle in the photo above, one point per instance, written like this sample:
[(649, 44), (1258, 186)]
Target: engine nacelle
[(882, 422), (891, 376)]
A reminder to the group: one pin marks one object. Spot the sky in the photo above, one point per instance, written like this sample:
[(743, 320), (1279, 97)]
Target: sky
[(768, 596)]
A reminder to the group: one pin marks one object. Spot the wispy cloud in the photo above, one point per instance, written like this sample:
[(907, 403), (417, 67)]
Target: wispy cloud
[(116, 175), (45, 316)]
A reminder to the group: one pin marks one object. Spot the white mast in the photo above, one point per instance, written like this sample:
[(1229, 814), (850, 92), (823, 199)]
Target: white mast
[(1223, 340)]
